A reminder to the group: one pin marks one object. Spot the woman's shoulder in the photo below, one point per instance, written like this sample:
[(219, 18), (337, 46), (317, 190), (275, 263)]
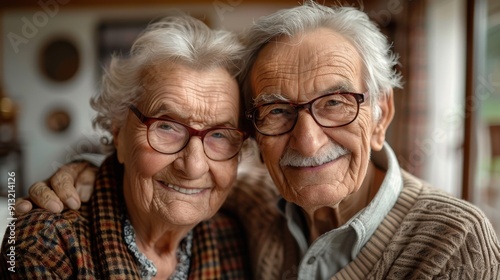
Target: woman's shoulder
[(221, 242), (40, 222), (47, 244), (225, 224)]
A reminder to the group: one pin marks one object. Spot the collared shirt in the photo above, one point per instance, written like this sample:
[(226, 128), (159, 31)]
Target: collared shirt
[(335, 249), (146, 266)]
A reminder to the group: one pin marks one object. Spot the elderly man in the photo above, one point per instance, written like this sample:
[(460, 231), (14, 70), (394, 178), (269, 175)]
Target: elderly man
[(319, 88)]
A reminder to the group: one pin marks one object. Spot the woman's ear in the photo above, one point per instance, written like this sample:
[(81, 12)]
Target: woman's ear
[(386, 105)]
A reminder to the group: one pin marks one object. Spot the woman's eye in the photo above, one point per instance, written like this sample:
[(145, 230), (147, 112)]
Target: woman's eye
[(218, 135), (165, 126)]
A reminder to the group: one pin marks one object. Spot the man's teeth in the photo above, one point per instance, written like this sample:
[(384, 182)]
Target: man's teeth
[(183, 190)]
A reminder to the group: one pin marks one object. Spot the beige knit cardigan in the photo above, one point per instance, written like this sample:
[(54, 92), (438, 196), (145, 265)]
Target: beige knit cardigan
[(427, 235)]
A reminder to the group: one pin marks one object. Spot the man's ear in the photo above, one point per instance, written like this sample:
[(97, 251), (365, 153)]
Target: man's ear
[(386, 104)]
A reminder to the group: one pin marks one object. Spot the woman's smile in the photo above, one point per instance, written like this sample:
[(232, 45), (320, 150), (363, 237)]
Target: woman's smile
[(183, 190)]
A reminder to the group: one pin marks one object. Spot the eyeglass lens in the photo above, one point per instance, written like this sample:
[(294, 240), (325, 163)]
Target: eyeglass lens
[(170, 137), (329, 111)]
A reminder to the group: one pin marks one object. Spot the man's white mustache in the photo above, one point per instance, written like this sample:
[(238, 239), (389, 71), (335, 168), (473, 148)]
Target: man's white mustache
[(330, 153)]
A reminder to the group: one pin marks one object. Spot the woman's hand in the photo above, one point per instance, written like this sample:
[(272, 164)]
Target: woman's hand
[(59, 191)]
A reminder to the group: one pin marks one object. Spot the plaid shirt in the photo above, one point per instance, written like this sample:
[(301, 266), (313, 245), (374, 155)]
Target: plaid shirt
[(89, 244)]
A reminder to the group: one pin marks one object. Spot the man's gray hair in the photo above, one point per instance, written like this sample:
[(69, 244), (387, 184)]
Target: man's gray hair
[(378, 60), (174, 39)]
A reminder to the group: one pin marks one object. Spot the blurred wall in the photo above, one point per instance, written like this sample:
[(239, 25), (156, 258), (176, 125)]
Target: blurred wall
[(25, 34), (446, 71)]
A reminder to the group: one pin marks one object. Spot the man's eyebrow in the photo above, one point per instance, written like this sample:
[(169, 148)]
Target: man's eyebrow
[(275, 97), (338, 88), (268, 98)]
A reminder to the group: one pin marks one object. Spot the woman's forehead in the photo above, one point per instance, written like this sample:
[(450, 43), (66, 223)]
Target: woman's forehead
[(194, 95)]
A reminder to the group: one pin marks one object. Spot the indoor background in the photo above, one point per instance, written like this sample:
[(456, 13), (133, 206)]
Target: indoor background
[(447, 118)]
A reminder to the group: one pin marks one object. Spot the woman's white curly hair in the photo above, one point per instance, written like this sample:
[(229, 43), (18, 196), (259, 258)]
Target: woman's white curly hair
[(173, 39)]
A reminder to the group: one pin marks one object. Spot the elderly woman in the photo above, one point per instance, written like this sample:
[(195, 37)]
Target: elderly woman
[(172, 109)]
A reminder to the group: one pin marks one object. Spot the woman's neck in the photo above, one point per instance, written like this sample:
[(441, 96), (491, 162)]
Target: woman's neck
[(155, 238), (158, 243)]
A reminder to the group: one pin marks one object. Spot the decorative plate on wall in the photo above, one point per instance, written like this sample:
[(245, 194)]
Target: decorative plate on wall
[(59, 60), (57, 120)]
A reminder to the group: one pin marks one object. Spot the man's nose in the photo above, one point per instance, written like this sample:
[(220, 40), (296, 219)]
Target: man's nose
[(307, 137)]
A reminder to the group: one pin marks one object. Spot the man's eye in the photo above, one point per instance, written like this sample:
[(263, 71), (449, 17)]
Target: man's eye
[(277, 111), (333, 103)]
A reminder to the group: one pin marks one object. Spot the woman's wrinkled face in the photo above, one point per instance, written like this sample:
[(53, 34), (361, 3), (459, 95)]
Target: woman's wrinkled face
[(300, 69), (186, 187)]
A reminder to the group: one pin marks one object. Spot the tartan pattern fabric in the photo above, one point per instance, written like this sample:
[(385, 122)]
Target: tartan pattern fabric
[(89, 244), (217, 250)]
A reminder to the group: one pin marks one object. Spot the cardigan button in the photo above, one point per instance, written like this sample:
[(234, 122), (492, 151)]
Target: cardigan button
[(311, 260)]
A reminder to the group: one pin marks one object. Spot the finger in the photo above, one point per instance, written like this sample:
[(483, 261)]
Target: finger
[(23, 206), (63, 183), (44, 197), (85, 182)]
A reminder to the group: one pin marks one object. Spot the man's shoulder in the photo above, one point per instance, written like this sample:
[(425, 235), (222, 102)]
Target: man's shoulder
[(433, 201), (439, 234), (439, 215)]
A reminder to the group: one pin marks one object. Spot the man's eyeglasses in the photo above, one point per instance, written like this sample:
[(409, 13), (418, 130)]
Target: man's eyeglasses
[(329, 110), (168, 136)]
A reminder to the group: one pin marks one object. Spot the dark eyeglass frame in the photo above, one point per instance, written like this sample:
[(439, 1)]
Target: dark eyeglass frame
[(250, 114), (148, 121)]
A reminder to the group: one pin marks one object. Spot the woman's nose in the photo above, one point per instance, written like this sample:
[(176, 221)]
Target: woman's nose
[(192, 160)]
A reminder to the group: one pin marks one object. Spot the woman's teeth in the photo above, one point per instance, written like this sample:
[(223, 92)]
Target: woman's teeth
[(184, 190)]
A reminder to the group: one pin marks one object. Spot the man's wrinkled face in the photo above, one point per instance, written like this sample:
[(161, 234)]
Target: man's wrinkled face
[(314, 166)]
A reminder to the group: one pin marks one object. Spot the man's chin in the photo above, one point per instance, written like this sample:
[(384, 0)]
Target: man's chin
[(318, 195)]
